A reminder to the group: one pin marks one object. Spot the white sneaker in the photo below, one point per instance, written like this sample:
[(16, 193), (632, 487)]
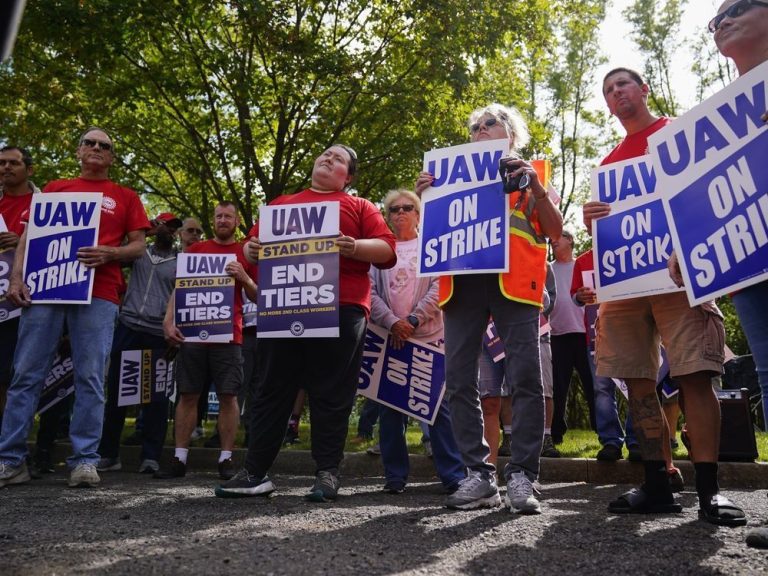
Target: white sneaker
[(149, 466), (520, 496), (84, 475), (475, 491)]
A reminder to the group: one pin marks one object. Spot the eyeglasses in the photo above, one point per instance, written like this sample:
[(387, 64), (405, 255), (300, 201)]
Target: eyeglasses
[(106, 146), (488, 123), (403, 208), (197, 231), (734, 11)]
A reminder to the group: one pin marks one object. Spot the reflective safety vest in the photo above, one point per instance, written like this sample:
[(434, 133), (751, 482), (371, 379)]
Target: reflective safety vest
[(524, 282)]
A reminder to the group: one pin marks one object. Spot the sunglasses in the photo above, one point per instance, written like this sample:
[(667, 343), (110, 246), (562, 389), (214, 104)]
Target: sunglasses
[(488, 123), (734, 11), (87, 142), (197, 231), (403, 208)]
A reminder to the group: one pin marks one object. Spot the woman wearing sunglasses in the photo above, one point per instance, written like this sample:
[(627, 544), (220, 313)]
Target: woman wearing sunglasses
[(407, 307), (514, 300)]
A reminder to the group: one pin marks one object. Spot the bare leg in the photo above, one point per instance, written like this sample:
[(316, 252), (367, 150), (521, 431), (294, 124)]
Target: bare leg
[(229, 420), (491, 408)]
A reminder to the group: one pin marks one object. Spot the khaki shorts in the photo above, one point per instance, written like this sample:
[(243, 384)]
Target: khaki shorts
[(629, 333)]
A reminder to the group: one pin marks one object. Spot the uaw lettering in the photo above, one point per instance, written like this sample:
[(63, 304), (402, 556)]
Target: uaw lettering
[(7, 309), (410, 380), (205, 297), (295, 221), (711, 161), (145, 376), (299, 275), (59, 225), (632, 244), (465, 211), (250, 311)]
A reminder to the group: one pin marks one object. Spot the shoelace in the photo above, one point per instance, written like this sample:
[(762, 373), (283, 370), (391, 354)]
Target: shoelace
[(521, 485), (471, 481)]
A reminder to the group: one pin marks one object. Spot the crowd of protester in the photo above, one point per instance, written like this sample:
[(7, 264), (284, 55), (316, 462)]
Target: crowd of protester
[(533, 306)]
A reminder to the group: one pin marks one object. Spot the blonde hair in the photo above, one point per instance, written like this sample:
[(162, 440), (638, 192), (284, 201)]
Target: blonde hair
[(510, 118), (393, 195)]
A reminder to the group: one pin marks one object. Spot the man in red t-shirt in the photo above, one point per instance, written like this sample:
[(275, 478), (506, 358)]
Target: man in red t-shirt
[(15, 197), (121, 238), (218, 363), (628, 336)]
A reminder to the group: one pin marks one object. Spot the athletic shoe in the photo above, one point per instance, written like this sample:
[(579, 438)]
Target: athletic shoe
[(609, 453), (197, 433), (109, 465), (477, 490), (635, 455), (427, 448), (520, 496), (226, 469), (42, 463), (676, 481), (548, 449), (326, 487), (149, 466), (374, 450), (243, 484), (13, 474), (84, 475), (394, 487), (178, 469)]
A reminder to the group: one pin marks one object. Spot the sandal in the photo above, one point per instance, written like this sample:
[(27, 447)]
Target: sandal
[(721, 511), (638, 501)]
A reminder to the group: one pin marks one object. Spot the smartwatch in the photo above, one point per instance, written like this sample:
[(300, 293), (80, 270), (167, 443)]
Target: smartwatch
[(413, 321)]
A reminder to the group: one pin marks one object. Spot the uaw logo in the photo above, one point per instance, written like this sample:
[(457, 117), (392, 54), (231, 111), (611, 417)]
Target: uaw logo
[(3, 314), (297, 328), (108, 204), (204, 334)]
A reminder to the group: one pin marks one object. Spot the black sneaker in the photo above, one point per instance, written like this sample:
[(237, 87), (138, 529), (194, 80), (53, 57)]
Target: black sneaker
[(548, 449), (394, 487), (634, 455), (326, 487), (178, 469), (242, 485), (226, 469), (504, 447), (609, 453), (291, 436)]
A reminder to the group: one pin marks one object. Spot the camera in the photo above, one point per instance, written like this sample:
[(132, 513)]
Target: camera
[(512, 183)]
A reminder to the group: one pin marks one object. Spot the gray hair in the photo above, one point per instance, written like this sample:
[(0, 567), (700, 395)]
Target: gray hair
[(393, 195), (510, 118)]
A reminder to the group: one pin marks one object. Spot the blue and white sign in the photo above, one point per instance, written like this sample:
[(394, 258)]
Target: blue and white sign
[(465, 213), (712, 164), (411, 380), (146, 376), (250, 311), (59, 383), (299, 271), (633, 243), (59, 225), (492, 342), (204, 300), (8, 309)]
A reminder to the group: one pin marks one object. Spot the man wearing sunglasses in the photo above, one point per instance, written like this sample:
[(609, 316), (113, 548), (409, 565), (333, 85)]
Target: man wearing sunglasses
[(740, 31), (121, 239)]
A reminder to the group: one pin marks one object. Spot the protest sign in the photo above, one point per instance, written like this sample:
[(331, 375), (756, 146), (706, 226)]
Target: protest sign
[(493, 343), (299, 271), (250, 312), (711, 163), (8, 309), (205, 297), (411, 380), (465, 213), (59, 225), (633, 243), (59, 383), (145, 376)]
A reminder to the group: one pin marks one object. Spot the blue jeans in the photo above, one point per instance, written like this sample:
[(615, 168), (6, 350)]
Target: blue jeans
[(369, 413), (609, 430), (394, 451), (751, 305), (90, 333)]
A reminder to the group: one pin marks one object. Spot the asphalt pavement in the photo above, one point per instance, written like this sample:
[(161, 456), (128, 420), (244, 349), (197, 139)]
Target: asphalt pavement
[(133, 524)]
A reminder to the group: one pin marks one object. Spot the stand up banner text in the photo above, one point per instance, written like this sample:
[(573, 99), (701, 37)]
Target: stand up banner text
[(465, 213), (712, 165), (411, 380), (59, 225), (8, 309), (299, 271), (145, 376), (633, 243), (205, 297)]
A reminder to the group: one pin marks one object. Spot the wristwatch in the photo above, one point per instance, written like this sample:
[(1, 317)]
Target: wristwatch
[(413, 321)]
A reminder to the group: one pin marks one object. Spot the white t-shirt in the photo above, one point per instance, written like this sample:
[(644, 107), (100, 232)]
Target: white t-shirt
[(402, 278)]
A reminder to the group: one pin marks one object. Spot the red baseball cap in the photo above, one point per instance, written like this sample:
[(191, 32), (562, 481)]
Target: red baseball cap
[(168, 219)]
